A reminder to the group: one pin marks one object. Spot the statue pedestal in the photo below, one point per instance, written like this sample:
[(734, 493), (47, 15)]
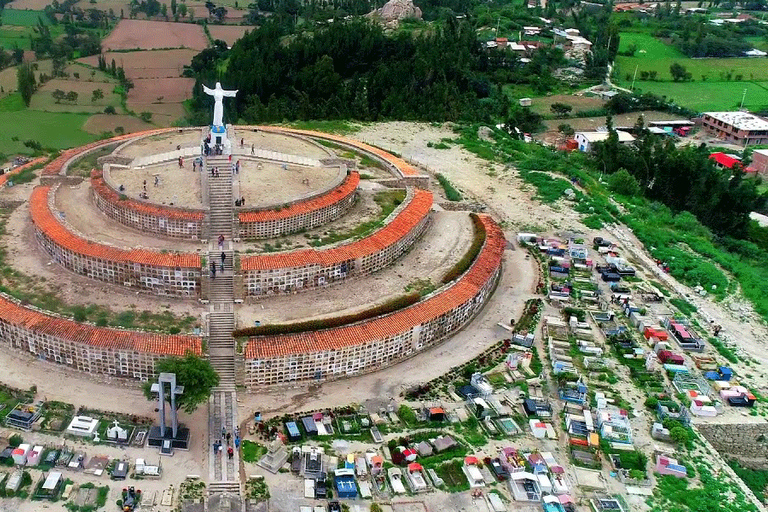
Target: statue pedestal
[(219, 136)]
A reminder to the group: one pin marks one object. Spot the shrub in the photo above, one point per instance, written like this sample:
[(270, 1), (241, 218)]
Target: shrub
[(622, 182), (110, 110), (390, 306), (15, 440), (450, 192), (469, 257)]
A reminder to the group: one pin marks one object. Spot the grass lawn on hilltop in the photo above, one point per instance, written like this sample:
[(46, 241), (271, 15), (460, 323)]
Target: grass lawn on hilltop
[(54, 130), (24, 18)]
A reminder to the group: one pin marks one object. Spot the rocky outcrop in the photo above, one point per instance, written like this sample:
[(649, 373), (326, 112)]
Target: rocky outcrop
[(395, 10)]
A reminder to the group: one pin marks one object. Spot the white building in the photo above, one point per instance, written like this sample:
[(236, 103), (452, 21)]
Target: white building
[(585, 140)]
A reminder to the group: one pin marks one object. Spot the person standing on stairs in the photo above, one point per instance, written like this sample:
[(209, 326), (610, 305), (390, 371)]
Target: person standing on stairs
[(213, 270), (223, 257), (221, 241)]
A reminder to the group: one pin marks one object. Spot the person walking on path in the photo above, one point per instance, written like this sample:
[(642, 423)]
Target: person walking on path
[(223, 430), (237, 442), (157, 180), (223, 257), (213, 270), (181, 162), (230, 452), (253, 149), (221, 241), (229, 436)]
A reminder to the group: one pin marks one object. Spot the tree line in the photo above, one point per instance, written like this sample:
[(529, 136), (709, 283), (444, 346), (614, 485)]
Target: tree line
[(682, 178), (351, 69)]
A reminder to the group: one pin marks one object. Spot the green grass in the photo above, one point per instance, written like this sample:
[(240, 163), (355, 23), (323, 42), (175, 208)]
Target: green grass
[(450, 191), (14, 37), (709, 96), (53, 130), (684, 306), (251, 451), (24, 18), (334, 126), (659, 56), (710, 88), (387, 201)]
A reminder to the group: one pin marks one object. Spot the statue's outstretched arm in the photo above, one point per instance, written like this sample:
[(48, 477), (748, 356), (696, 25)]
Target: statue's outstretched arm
[(229, 94), (207, 90)]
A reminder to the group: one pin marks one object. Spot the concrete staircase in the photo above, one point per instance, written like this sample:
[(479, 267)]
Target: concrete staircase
[(220, 199), (224, 476)]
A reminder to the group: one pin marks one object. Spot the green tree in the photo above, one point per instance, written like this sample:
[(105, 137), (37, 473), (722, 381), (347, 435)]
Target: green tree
[(173, 7), (560, 109), (623, 183), (182, 8), (146, 116), (98, 94), (679, 434), (196, 375), (678, 71), (566, 129), (58, 95), (25, 81), (72, 97)]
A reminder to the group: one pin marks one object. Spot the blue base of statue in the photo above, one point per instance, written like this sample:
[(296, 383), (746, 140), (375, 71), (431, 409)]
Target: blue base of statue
[(219, 137)]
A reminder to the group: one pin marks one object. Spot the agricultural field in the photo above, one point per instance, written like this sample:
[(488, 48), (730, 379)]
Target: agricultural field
[(17, 28), (228, 33), (24, 18), (28, 5), (714, 96), (579, 103), (149, 35), (149, 63), (717, 84), (44, 100), (55, 130), (14, 36), (100, 123)]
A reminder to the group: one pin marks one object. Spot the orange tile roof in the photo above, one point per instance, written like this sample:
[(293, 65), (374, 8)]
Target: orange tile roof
[(346, 189), (163, 344), (413, 213), (54, 167), (111, 196), (16, 170), (461, 291), (404, 167), (44, 219)]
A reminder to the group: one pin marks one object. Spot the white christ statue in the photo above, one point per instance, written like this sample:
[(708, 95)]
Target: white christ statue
[(218, 95)]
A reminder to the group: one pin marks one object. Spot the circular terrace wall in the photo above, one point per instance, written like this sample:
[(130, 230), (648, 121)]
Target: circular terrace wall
[(381, 341)]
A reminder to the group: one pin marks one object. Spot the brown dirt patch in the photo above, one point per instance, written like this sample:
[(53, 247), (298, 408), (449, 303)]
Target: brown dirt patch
[(43, 100), (8, 80), (148, 35), (267, 183), (148, 64), (228, 33), (171, 90), (100, 123), (579, 103), (180, 187), (28, 5), (163, 114), (276, 142)]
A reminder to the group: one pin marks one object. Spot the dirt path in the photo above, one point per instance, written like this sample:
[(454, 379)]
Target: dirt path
[(444, 243)]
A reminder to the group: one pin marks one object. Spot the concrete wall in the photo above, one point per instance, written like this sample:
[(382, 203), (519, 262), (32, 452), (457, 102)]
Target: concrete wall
[(746, 442)]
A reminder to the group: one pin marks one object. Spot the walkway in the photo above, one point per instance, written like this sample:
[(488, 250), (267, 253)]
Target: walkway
[(224, 478)]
